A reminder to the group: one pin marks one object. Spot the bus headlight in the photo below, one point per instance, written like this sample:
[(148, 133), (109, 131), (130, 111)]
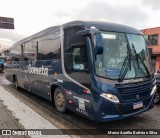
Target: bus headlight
[(154, 89), (110, 97)]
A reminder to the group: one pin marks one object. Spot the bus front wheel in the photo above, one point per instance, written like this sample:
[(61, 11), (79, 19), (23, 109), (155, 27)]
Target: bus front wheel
[(60, 100), (157, 97)]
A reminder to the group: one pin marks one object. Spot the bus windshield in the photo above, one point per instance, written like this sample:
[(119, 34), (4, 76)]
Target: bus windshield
[(123, 55)]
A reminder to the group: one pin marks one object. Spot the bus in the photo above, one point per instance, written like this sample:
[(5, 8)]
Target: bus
[(99, 70), (1, 64)]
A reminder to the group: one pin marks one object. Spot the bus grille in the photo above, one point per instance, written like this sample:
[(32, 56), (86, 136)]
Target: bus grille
[(132, 92)]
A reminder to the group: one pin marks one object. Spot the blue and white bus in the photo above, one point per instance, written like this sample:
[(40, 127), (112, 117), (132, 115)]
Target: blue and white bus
[(99, 70)]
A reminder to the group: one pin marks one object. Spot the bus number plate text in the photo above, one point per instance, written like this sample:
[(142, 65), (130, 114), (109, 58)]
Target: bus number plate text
[(137, 105)]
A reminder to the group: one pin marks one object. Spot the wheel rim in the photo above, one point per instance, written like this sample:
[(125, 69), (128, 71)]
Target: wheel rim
[(60, 99), (156, 99)]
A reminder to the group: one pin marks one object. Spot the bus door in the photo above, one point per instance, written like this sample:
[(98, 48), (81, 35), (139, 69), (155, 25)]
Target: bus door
[(77, 68)]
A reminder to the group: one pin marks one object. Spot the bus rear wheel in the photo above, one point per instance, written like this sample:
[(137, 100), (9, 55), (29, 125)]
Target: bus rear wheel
[(16, 83), (60, 100)]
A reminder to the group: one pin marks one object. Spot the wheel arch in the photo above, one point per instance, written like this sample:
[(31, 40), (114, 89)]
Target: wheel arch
[(53, 88), (14, 77)]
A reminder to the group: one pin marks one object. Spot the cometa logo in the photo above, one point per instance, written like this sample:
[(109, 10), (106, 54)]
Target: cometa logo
[(38, 70)]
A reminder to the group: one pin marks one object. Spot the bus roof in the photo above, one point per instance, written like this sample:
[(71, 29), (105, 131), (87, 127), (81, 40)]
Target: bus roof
[(106, 26), (103, 26), (39, 34)]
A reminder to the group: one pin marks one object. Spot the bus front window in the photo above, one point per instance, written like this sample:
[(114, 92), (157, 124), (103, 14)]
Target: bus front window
[(123, 55)]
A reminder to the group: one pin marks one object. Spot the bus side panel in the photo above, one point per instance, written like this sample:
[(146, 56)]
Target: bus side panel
[(45, 83), (11, 72), (20, 74), (9, 75), (40, 82)]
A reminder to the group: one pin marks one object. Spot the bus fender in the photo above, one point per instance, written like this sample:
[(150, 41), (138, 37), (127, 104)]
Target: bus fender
[(53, 88)]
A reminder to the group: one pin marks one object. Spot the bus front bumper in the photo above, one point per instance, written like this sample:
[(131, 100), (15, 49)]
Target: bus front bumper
[(112, 111)]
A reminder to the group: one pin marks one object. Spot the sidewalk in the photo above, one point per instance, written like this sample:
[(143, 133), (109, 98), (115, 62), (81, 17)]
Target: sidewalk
[(7, 121), (15, 114)]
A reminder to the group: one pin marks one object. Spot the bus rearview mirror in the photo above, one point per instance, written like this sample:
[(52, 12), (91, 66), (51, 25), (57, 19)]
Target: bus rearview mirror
[(98, 44), (84, 32), (92, 31)]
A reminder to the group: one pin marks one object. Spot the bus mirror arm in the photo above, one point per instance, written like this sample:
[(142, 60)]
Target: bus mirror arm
[(98, 40), (98, 43)]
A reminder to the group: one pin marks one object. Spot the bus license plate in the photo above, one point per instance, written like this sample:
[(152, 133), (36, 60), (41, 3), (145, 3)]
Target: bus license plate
[(137, 105)]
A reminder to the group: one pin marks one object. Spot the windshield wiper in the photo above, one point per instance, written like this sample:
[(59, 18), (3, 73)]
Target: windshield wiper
[(135, 54), (126, 65), (139, 58)]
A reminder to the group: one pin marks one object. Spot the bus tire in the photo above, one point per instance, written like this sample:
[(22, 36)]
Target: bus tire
[(16, 82), (157, 97), (60, 100)]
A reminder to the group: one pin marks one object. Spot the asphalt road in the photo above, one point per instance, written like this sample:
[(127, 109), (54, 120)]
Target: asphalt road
[(70, 120)]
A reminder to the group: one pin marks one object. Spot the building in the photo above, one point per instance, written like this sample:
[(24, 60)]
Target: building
[(152, 38), (6, 55)]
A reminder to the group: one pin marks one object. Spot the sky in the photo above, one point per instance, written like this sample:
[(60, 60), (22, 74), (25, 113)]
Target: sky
[(32, 16)]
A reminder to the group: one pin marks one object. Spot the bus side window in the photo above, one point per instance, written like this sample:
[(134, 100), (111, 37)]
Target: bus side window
[(49, 47), (76, 56), (80, 60), (80, 64)]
